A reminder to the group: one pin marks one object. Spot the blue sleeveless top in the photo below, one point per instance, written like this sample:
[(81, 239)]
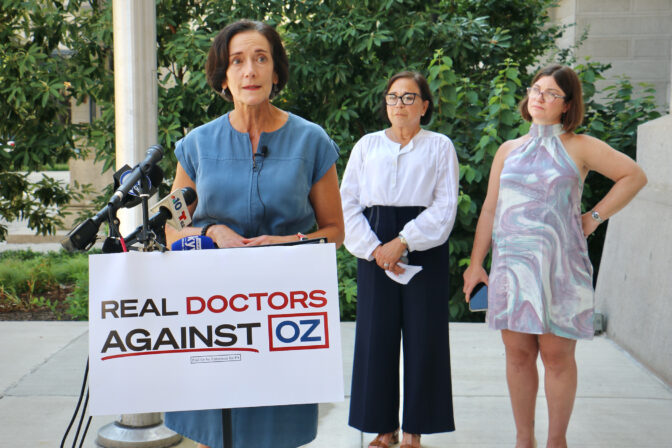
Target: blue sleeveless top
[(262, 195)]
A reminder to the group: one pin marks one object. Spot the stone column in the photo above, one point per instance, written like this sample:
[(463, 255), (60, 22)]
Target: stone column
[(135, 88)]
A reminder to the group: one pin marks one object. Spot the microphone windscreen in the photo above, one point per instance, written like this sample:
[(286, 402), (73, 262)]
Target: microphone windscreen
[(189, 195), (154, 176), (193, 242)]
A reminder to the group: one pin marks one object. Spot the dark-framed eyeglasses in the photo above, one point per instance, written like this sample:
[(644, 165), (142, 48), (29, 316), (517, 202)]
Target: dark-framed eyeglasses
[(548, 97), (406, 99)]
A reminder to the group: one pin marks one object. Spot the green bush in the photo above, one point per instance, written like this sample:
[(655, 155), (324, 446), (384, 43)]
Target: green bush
[(31, 281), (478, 57)]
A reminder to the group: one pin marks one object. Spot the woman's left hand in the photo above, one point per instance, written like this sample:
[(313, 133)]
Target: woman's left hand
[(269, 239), (387, 255), (588, 223)]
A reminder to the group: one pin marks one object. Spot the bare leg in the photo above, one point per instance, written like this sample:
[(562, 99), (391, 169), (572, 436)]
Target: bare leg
[(557, 354), (412, 440), (200, 445), (523, 380)]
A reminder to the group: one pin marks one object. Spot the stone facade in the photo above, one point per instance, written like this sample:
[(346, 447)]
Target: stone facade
[(634, 286), (634, 36)]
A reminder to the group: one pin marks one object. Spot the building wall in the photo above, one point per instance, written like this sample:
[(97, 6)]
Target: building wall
[(634, 36), (634, 286)]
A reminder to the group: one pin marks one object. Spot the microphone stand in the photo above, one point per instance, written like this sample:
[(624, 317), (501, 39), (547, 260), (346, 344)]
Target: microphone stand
[(146, 429)]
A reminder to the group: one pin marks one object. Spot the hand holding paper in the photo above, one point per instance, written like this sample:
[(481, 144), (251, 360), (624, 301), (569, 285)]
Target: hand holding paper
[(407, 275)]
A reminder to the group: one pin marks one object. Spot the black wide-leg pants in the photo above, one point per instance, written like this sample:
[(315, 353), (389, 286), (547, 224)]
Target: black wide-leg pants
[(388, 311)]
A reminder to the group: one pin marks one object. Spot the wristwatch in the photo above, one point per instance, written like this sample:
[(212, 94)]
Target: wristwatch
[(403, 240), (205, 228), (596, 216)]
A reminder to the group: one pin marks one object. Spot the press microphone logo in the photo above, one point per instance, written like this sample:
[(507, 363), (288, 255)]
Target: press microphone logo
[(136, 189)]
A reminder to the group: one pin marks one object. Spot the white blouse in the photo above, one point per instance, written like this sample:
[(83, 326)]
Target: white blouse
[(423, 173)]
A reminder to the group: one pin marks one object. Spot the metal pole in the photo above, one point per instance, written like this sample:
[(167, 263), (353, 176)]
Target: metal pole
[(135, 103)]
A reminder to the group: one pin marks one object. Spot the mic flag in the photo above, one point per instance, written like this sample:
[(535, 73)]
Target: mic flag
[(154, 177), (167, 210), (193, 242), (176, 204), (154, 154)]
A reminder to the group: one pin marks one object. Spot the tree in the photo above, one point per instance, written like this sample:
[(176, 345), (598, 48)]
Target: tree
[(478, 57), (39, 77)]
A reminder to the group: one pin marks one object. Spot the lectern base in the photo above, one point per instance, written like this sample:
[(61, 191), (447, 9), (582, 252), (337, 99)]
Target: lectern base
[(116, 435)]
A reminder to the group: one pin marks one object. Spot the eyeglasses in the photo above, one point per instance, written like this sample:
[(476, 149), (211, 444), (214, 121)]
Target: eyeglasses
[(406, 99), (548, 97)]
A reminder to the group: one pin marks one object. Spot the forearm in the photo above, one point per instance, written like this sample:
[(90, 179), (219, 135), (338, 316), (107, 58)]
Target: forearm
[(173, 235), (334, 234), (620, 194), (483, 237)]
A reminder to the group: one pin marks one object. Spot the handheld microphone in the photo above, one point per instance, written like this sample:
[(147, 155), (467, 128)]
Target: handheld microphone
[(154, 154), (172, 210), (174, 207), (194, 242)]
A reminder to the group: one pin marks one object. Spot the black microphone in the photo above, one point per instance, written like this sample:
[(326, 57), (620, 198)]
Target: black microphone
[(154, 154), (171, 209), (263, 152), (83, 236), (153, 178)]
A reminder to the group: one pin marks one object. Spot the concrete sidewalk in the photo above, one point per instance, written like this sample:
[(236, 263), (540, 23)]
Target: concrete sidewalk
[(619, 403)]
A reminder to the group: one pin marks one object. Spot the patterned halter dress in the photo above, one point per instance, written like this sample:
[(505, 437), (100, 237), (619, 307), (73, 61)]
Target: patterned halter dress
[(541, 276)]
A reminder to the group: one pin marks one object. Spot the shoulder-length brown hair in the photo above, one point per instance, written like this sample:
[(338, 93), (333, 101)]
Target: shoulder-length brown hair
[(425, 93), (218, 57), (569, 82)]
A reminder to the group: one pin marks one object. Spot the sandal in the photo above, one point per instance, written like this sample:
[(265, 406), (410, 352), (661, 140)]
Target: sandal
[(410, 445), (379, 442)]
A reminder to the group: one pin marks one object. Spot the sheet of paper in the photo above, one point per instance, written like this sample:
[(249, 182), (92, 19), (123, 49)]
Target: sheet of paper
[(408, 274)]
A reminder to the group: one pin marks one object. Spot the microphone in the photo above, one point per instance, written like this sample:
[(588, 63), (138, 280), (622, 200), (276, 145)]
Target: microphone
[(154, 154), (193, 242), (172, 210), (84, 235), (153, 178), (263, 152)]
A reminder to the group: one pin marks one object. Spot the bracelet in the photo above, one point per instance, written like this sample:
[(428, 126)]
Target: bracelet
[(596, 216), (301, 236), (204, 230)]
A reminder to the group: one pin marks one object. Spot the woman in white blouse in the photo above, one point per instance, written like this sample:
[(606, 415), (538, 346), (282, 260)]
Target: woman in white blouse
[(399, 194)]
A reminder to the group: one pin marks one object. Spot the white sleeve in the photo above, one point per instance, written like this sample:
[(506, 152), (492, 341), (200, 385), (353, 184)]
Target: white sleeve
[(360, 240), (432, 227)]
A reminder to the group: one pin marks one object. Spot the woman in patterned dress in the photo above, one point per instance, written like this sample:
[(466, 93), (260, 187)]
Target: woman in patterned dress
[(540, 289)]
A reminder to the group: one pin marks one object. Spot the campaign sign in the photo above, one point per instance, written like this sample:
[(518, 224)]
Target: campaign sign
[(211, 329)]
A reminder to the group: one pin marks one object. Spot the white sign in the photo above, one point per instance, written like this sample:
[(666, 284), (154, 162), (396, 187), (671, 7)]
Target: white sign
[(213, 329)]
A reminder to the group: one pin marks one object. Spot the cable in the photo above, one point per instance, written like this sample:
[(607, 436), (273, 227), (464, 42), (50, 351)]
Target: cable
[(86, 429), (79, 403), (81, 420)]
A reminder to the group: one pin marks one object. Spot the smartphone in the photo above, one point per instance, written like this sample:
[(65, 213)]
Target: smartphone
[(479, 298)]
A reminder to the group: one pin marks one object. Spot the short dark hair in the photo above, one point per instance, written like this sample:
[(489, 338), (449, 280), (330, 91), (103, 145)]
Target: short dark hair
[(570, 83), (218, 56), (425, 93)]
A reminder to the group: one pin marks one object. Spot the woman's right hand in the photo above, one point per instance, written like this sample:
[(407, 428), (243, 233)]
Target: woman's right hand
[(223, 236), (474, 275)]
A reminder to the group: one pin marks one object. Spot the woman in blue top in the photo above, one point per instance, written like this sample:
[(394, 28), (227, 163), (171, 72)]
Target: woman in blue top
[(262, 176)]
